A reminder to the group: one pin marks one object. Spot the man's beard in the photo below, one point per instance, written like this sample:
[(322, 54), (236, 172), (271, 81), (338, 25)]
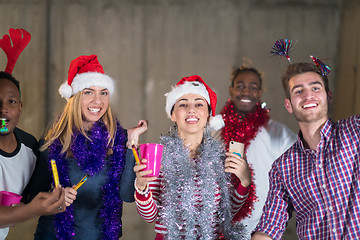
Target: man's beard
[(309, 118)]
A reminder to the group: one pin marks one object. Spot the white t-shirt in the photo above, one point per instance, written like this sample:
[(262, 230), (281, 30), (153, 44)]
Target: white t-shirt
[(17, 167), (270, 142)]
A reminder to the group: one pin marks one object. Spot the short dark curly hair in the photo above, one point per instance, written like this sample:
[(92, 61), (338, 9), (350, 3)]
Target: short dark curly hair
[(237, 70), (11, 78)]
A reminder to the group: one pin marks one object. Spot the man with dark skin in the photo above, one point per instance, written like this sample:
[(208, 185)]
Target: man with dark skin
[(265, 140), (18, 149), (10, 111), (245, 92)]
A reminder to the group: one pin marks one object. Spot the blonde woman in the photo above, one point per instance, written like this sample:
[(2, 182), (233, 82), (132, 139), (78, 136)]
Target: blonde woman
[(87, 141), (193, 197)]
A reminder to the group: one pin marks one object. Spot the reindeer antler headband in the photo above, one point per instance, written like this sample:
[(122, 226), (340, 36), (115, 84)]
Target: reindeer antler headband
[(19, 39)]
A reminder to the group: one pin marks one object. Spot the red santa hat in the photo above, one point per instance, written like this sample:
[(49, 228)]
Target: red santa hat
[(84, 72), (196, 85)]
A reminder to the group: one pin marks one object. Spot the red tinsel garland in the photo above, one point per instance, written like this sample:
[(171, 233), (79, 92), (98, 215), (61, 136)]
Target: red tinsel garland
[(243, 130)]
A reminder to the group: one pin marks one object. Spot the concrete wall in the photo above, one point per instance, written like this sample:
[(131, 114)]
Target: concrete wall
[(347, 97), (148, 45)]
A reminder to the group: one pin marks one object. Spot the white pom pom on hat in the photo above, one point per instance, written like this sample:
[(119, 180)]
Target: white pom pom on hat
[(194, 84), (84, 72), (216, 122), (65, 90)]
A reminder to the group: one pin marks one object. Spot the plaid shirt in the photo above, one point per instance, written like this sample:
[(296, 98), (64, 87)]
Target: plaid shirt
[(321, 187)]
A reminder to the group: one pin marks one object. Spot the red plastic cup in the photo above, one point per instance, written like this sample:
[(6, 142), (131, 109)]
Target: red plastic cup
[(9, 198), (152, 152)]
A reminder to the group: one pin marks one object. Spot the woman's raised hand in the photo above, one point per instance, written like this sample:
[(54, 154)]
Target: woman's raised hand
[(238, 166), (135, 132)]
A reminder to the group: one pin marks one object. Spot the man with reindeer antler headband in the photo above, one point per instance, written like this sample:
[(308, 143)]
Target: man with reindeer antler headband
[(18, 149), (317, 178)]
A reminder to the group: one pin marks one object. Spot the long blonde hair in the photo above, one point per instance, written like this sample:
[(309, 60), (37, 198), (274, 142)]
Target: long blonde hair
[(71, 118)]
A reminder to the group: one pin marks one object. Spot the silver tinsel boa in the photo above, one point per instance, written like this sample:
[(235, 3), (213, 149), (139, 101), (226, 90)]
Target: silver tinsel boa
[(187, 182)]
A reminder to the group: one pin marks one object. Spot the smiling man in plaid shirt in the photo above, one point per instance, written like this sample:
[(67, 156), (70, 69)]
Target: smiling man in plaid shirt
[(318, 177)]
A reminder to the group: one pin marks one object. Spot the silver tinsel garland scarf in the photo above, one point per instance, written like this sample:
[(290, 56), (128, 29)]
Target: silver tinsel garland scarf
[(189, 208)]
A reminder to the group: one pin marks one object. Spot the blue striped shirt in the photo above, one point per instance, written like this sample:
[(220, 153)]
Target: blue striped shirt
[(321, 187)]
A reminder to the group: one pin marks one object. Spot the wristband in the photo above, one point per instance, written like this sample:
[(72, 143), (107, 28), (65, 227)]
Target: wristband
[(131, 143), (143, 202), (145, 192)]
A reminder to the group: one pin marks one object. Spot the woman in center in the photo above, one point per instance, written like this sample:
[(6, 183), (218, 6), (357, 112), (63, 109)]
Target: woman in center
[(193, 197)]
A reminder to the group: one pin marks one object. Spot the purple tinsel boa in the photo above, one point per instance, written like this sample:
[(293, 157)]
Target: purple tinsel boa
[(91, 157)]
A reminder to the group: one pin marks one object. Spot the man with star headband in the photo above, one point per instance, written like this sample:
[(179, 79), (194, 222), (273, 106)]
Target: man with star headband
[(317, 178)]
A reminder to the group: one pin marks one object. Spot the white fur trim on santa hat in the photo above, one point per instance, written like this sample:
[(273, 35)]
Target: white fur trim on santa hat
[(216, 122), (86, 80), (180, 90)]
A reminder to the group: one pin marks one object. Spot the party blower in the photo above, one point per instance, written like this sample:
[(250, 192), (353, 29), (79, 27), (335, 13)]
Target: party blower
[(3, 125)]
